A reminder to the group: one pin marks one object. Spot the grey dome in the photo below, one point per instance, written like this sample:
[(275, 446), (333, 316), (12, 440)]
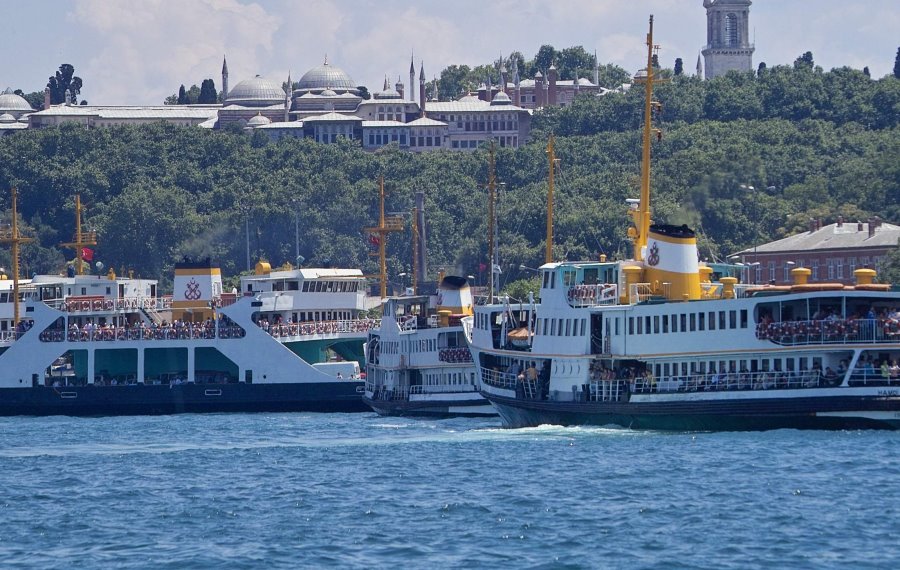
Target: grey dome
[(501, 98), (256, 92), (328, 93), (7, 118), (9, 101), (326, 76), (258, 121)]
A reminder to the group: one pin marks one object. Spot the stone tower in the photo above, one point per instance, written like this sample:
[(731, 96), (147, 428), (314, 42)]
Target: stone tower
[(727, 37)]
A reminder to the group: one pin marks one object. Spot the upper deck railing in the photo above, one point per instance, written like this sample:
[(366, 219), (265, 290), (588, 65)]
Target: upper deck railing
[(830, 331)]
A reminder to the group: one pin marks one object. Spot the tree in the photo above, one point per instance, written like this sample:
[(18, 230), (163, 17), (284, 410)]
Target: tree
[(897, 64), (890, 267), (453, 83), (182, 96), (679, 66), (866, 72), (64, 82), (655, 61), (208, 94), (364, 92), (544, 59), (761, 69), (574, 60), (805, 61)]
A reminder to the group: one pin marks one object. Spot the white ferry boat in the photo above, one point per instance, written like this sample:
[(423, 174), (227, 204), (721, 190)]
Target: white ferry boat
[(109, 345), (655, 342), (418, 363)]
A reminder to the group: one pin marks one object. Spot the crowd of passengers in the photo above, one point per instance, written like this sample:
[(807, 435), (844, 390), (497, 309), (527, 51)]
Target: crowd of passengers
[(105, 379), (278, 327), (177, 329), (829, 324)]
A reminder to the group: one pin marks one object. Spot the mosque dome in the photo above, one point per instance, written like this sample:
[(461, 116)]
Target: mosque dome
[(256, 92), (258, 121), (326, 76), (328, 93), (501, 98), (7, 118), (9, 101)]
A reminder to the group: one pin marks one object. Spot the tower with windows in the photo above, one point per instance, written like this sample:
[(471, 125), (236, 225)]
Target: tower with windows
[(727, 37)]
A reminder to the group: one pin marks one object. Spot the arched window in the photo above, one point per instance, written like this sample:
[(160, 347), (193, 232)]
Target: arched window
[(731, 30)]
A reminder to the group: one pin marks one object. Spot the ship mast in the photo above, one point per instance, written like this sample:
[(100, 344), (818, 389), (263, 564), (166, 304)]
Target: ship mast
[(12, 237), (642, 215), (81, 239), (492, 220), (548, 255), (415, 248), (386, 225)]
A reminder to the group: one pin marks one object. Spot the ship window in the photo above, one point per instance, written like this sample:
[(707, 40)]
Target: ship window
[(743, 318), (647, 324), (732, 318), (630, 325), (721, 320), (568, 327), (546, 279), (656, 324), (701, 325), (640, 325), (559, 327), (683, 319), (306, 286), (789, 364), (693, 322), (712, 321), (665, 323), (552, 280), (777, 363)]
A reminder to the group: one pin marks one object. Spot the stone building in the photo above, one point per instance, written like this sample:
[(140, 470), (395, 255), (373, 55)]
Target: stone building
[(727, 37)]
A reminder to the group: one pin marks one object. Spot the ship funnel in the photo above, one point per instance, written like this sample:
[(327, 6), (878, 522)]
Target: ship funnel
[(196, 288), (670, 264), (455, 296)]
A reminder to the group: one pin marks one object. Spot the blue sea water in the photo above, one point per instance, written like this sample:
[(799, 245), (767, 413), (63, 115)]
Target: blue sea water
[(360, 491)]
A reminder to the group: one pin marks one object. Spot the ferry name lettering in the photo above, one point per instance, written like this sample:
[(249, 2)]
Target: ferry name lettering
[(889, 392)]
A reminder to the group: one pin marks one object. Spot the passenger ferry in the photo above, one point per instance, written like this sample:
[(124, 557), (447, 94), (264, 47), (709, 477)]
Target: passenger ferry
[(418, 363), (661, 342), (291, 340)]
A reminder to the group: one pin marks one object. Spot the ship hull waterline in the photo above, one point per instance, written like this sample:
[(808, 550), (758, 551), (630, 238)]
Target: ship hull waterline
[(831, 413), (140, 399), (479, 407)]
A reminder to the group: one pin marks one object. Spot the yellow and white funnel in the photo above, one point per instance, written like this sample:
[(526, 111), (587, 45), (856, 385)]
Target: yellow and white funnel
[(196, 284), (455, 296), (670, 262)]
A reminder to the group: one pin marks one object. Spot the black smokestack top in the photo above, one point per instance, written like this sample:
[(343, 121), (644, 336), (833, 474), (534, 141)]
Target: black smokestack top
[(681, 231)]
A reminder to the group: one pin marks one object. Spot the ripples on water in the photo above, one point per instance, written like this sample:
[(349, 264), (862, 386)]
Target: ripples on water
[(306, 490)]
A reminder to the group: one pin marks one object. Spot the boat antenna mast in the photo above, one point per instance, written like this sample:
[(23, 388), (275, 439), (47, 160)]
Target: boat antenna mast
[(11, 236), (379, 233), (82, 239), (415, 248), (551, 156), (641, 215)]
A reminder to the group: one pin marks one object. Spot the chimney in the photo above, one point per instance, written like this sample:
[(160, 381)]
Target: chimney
[(840, 221), (812, 225), (872, 226), (46, 98), (859, 226), (553, 77)]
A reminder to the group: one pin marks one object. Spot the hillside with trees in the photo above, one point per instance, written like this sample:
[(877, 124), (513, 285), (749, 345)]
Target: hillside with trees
[(744, 158)]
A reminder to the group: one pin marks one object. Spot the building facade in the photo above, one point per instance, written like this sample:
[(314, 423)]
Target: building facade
[(728, 43), (831, 252)]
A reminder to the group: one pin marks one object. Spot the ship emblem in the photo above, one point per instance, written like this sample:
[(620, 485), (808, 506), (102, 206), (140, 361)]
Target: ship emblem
[(192, 292), (653, 258)]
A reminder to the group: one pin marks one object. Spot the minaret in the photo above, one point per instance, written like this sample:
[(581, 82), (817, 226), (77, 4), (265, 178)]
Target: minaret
[(517, 92), (399, 87), (538, 89), (434, 89), (576, 84), (489, 94), (596, 70), (288, 91), (224, 79), (422, 90), (552, 77), (699, 66), (412, 79), (46, 98)]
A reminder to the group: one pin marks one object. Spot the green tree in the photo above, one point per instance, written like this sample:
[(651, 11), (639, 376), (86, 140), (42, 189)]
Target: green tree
[(519, 290), (897, 64), (208, 94), (454, 82), (679, 66), (572, 60), (364, 92), (182, 96), (805, 61), (760, 69), (64, 81), (545, 57), (890, 267)]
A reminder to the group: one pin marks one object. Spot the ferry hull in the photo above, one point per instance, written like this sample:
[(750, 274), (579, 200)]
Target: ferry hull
[(475, 407), (834, 413), (140, 399)]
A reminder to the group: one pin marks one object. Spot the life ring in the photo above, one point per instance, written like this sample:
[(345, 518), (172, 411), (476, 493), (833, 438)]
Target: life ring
[(85, 305), (108, 305)]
